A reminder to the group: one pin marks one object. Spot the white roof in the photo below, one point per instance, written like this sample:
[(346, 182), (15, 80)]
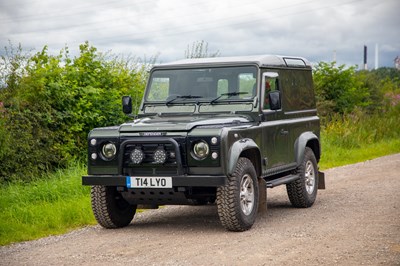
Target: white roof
[(260, 60)]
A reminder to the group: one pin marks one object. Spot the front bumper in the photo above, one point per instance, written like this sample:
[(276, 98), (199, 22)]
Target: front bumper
[(177, 181)]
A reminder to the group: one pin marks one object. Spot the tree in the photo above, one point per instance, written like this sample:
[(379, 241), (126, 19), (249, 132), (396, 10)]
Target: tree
[(199, 49), (12, 64), (338, 89)]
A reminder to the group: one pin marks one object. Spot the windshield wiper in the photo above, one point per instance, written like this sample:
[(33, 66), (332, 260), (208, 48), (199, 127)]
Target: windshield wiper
[(182, 97), (229, 94)]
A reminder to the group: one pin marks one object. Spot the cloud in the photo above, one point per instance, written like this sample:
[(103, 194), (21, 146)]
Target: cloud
[(310, 28)]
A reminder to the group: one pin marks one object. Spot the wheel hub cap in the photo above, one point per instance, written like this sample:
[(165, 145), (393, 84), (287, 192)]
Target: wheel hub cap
[(310, 177), (246, 194)]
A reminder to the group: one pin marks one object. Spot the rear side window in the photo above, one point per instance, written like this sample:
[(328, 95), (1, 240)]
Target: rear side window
[(298, 91)]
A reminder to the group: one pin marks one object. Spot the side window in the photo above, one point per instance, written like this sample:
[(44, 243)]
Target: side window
[(270, 84), (300, 95)]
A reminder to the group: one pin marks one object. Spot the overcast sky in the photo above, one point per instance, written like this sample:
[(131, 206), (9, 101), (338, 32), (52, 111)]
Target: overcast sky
[(315, 29)]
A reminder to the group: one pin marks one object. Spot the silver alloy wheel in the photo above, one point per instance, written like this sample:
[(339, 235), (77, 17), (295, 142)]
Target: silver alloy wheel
[(246, 194), (310, 177)]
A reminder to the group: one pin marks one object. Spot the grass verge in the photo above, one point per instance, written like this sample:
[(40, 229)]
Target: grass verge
[(359, 137), (53, 205), (338, 156)]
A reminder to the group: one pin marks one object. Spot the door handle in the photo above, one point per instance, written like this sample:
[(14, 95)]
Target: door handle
[(284, 132)]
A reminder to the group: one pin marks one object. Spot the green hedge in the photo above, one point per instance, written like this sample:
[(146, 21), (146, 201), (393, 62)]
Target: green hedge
[(50, 103)]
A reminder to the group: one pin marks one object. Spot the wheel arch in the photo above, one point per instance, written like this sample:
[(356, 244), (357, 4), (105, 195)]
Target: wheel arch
[(307, 139), (244, 148)]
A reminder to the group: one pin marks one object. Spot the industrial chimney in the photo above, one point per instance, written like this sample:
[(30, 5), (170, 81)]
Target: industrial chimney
[(365, 58)]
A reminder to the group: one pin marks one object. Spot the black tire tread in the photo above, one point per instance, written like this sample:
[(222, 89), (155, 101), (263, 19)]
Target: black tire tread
[(296, 190), (105, 208), (228, 206)]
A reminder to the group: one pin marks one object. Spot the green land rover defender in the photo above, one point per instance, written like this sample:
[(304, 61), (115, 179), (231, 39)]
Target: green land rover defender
[(211, 130)]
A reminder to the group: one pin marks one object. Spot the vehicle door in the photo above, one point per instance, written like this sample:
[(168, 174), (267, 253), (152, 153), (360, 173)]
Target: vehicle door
[(275, 134)]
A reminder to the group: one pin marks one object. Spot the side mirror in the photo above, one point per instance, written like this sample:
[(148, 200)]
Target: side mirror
[(127, 104), (275, 100)]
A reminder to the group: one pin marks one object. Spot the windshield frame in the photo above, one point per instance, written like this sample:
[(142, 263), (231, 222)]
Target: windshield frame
[(236, 71)]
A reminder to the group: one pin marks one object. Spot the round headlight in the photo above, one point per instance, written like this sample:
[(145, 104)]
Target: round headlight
[(160, 156), (137, 156), (201, 150), (109, 150)]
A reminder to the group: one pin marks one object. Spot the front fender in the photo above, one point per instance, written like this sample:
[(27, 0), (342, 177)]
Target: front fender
[(301, 143), (236, 150)]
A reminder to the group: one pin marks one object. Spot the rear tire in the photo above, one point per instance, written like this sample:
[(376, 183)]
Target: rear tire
[(110, 209), (237, 201), (303, 192)]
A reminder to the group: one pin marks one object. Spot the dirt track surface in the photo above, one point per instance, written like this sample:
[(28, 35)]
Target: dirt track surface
[(355, 221)]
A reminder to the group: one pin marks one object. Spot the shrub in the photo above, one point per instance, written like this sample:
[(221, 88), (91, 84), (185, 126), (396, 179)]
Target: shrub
[(50, 103), (354, 130), (338, 90)]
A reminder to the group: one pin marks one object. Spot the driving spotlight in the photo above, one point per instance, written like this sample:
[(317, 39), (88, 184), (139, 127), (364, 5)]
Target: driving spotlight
[(137, 156), (160, 156)]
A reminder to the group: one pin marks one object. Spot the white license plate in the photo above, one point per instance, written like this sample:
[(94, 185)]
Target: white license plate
[(148, 182)]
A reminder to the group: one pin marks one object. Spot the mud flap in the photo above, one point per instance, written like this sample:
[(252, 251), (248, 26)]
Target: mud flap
[(262, 196), (321, 180)]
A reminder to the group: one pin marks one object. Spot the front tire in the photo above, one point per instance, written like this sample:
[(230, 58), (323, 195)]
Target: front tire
[(237, 201), (303, 192), (110, 209)]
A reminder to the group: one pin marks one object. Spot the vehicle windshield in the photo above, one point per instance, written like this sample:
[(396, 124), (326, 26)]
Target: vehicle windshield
[(205, 85)]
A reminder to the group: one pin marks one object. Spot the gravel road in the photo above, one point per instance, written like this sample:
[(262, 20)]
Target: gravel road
[(355, 221)]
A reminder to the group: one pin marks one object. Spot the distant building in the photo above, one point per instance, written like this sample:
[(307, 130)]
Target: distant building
[(397, 62)]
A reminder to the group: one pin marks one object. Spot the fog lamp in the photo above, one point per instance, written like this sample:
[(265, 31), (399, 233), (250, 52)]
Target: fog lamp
[(137, 156), (160, 156)]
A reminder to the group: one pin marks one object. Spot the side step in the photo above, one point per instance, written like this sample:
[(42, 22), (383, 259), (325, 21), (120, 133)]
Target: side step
[(289, 178), (282, 180)]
